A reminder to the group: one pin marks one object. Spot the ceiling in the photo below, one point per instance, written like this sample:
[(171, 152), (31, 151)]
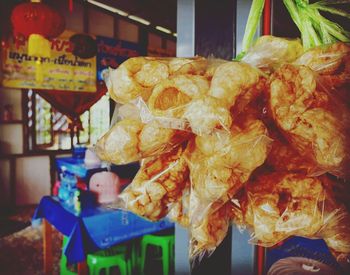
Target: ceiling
[(158, 12)]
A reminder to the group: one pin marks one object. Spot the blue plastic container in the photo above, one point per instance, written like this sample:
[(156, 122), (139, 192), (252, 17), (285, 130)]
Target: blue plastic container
[(72, 165)]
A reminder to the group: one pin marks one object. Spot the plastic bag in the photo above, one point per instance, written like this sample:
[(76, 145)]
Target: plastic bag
[(312, 120), (276, 206), (219, 165), (138, 75), (131, 140), (179, 211), (326, 60), (158, 184), (270, 52), (203, 129)]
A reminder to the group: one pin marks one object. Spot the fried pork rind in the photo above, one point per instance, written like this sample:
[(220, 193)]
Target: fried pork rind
[(208, 234), (138, 75), (313, 123), (179, 212), (194, 66), (120, 144), (277, 206), (130, 140), (232, 79), (328, 60), (170, 96), (157, 185), (270, 52), (219, 165), (283, 157), (207, 114)]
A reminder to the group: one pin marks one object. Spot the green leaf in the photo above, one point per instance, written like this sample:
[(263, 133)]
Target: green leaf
[(252, 23)]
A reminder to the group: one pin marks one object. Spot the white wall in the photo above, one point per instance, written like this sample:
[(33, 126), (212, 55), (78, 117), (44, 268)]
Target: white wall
[(4, 182), (11, 135), (32, 179)]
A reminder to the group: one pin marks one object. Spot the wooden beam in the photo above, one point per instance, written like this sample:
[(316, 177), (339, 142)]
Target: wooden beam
[(47, 248)]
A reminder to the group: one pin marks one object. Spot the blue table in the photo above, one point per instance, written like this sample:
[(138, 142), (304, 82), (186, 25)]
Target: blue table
[(92, 229)]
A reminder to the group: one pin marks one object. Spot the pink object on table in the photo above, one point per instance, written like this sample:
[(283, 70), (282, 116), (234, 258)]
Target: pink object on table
[(106, 186), (56, 187)]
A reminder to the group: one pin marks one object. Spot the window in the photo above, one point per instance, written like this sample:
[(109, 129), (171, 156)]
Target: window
[(48, 129)]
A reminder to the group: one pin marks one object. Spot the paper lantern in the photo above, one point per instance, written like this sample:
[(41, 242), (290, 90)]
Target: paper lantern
[(37, 22), (37, 19)]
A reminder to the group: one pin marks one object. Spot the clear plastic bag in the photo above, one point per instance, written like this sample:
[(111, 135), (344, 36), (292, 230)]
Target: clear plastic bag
[(270, 52), (219, 165), (314, 122), (327, 60), (131, 139), (138, 75), (159, 184), (197, 101), (203, 130), (276, 206)]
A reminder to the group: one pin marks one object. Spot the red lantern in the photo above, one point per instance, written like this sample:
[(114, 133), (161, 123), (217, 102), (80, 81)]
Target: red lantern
[(37, 22), (37, 18)]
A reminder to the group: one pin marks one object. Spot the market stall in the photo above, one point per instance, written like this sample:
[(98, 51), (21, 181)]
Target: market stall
[(260, 141), (255, 139)]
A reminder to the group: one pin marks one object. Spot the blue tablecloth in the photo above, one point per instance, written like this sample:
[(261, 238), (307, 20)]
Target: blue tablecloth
[(302, 247), (94, 228)]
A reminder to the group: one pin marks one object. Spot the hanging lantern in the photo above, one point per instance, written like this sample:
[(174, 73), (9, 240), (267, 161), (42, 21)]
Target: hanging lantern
[(37, 22), (37, 19)]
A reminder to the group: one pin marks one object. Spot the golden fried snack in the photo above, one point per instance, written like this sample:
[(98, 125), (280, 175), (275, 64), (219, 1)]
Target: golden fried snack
[(219, 166), (159, 182), (277, 206), (213, 64), (138, 75), (269, 52), (180, 208), (207, 234), (130, 140), (170, 97), (326, 59), (262, 214), (195, 66), (154, 139), (336, 231), (233, 79), (308, 118), (221, 163), (283, 157), (120, 144), (207, 114)]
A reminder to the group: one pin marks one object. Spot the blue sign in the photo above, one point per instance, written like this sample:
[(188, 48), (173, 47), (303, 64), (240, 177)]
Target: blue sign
[(112, 52)]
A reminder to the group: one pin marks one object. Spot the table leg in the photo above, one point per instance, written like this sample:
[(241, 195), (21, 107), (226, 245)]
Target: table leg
[(82, 268), (47, 246)]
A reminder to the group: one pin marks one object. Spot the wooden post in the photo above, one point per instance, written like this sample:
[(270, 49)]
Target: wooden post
[(82, 268), (47, 248)]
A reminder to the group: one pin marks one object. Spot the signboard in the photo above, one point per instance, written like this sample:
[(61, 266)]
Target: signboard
[(112, 52), (61, 71), (158, 52)]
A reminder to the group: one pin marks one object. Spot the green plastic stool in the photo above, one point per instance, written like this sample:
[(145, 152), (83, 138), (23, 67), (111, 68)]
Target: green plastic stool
[(63, 261), (165, 243), (97, 263)]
